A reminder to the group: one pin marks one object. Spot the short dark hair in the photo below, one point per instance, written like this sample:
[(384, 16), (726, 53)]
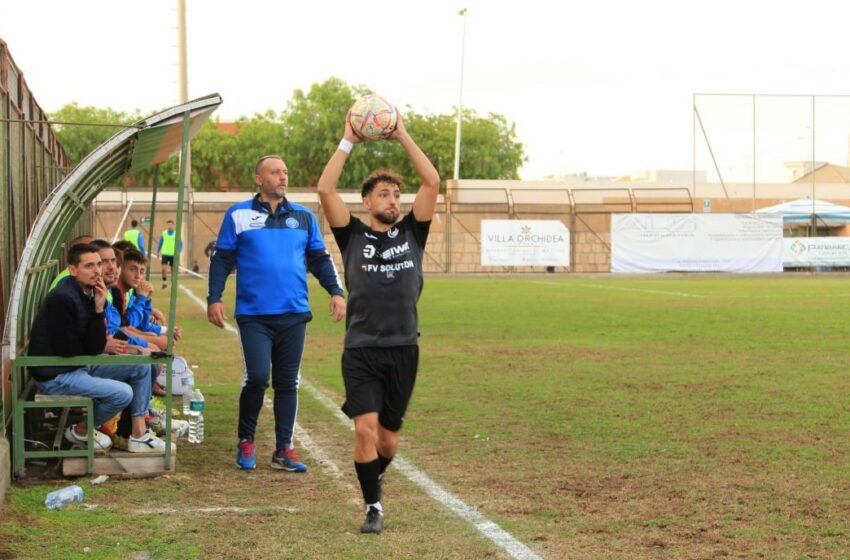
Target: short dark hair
[(134, 223), (102, 244), (379, 176), (76, 252), (169, 222), (79, 240), (262, 159), (123, 245), (131, 255)]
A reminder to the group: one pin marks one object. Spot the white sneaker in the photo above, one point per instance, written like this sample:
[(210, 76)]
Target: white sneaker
[(101, 440), (148, 443), (178, 427)]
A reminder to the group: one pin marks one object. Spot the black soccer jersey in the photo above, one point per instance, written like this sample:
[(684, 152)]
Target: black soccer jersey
[(383, 275)]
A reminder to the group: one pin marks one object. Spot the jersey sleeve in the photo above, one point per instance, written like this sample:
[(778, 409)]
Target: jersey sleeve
[(344, 233), (315, 242), (420, 229), (227, 233)]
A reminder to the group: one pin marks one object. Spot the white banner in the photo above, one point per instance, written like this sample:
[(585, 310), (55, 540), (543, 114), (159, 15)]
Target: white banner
[(816, 251), (696, 243), (524, 243)]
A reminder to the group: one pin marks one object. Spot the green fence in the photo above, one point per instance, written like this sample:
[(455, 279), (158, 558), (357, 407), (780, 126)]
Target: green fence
[(32, 163)]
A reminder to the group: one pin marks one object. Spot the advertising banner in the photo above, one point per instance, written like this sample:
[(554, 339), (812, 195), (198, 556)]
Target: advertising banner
[(696, 243), (816, 251), (524, 243)]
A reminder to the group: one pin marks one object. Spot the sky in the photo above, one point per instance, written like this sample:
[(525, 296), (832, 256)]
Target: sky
[(603, 87)]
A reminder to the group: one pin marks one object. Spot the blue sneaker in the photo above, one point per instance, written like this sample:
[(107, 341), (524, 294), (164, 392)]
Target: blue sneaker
[(287, 460), (245, 455)]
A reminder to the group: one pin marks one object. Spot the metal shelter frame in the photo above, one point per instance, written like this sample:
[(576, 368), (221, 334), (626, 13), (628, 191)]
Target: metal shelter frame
[(148, 142), (697, 120)]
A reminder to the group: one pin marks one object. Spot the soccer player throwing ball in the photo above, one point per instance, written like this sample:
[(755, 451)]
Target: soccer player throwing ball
[(383, 274)]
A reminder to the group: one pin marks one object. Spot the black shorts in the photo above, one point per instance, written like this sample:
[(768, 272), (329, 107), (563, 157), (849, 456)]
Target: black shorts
[(379, 380), (167, 259)]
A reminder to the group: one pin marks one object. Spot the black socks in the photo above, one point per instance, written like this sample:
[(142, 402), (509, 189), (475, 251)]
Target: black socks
[(367, 474)]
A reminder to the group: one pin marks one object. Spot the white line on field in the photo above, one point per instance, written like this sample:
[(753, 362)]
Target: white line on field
[(318, 454), (215, 510), (489, 529), (642, 290), (691, 295)]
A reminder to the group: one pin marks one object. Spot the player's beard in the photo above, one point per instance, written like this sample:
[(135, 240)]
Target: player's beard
[(386, 218)]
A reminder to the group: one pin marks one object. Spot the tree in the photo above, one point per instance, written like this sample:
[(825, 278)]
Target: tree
[(305, 134), (85, 128), (215, 157), (79, 136), (313, 125), (489, 148)]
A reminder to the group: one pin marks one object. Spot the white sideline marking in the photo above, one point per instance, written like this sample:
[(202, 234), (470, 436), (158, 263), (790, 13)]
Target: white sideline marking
[(489, 529), (214, 510), (318, 454), (658, 292), (692, 295), (642, 290)]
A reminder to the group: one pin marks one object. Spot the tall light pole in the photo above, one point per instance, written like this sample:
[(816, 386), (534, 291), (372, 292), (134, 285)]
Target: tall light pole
[(461, 13), (183, 73), (183, 81)]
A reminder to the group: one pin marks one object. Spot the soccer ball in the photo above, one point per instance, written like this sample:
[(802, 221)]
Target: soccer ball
[(372, 117)]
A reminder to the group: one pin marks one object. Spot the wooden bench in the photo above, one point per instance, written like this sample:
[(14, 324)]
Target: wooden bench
[(26, 398)]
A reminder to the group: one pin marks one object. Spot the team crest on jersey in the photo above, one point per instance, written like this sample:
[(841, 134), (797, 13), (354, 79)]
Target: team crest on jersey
[(393, 233), (292, 223), (369, 251)]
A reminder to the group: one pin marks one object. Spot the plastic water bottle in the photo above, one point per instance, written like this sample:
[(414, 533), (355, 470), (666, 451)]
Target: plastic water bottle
[(188, 382), (64, 496), (196, 417)]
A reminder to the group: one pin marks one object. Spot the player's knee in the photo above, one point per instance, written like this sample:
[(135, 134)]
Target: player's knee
[(366, 431), (122, 396), (387, 443), (140, 372)]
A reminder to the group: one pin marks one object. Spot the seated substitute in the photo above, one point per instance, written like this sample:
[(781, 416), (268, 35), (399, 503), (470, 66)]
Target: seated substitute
[(71, 322), (139, 309)]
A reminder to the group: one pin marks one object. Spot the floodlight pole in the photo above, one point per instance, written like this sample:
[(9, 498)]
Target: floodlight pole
[(187, 154), (814, 198), (461, 13)]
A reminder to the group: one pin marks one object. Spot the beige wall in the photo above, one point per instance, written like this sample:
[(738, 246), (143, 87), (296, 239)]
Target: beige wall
[(454, 242)]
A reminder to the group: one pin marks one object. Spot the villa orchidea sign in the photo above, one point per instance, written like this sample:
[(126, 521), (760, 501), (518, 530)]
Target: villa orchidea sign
[(524, 243)]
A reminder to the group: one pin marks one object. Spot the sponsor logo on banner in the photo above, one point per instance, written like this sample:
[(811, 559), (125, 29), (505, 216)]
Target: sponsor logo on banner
[(798, 247), (816, 251), (696, 243), (524, 243)]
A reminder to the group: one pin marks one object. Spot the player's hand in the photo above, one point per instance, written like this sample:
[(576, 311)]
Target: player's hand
[(100, 292), (215, 314), (144, 288), (115, 346), (349, 134), (178, 334), (138, 350), (337, 308), (399, 129)]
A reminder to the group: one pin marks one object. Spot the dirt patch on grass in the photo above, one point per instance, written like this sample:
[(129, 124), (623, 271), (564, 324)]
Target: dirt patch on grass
[(12, 517)]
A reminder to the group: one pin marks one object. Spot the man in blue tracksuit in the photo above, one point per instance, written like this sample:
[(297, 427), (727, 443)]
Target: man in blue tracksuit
[(272, 242)]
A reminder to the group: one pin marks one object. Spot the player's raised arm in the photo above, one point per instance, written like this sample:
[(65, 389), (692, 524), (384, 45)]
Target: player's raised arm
[(332, 204), (426, 198)]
